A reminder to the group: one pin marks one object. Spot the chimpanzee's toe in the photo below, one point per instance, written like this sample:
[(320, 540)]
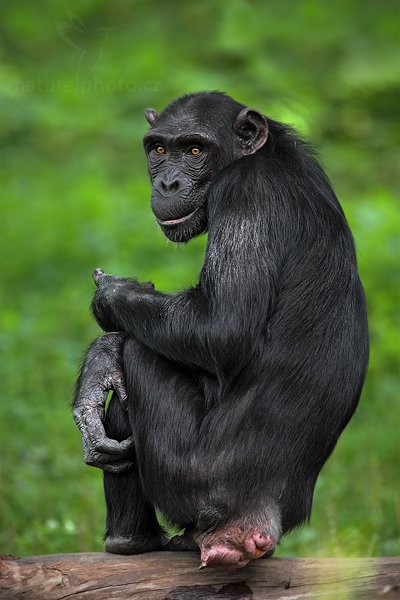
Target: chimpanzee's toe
[(180, 543), (132, 544), (268, 554)]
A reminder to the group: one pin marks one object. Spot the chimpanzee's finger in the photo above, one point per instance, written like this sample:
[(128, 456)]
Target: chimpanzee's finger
[(119, 387), (107, 463), (113, 448), (118, 467), (97, 275), (97, 440)]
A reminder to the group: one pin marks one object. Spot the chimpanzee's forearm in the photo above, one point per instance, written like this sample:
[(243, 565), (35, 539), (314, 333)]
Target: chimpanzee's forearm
[(182, 327), (174, 326), (161, 322)]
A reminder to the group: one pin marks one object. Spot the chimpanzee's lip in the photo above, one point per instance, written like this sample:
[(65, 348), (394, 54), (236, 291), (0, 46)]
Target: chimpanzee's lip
[(175, 221)]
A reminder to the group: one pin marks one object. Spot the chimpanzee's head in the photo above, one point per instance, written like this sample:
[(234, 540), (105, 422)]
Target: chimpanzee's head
[(188, 144)]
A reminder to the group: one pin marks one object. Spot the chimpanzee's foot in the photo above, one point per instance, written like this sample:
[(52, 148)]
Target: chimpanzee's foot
[(268, 554), (233, 545), (182, 542), (133, 544)]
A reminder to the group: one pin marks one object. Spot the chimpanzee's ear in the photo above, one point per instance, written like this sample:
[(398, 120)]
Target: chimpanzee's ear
[(151, 116), (252, 129)]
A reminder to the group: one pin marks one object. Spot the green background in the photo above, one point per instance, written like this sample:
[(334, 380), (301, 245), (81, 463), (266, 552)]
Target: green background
[(75, 78)]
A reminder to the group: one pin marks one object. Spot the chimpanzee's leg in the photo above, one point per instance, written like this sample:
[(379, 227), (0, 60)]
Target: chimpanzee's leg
[(131, 525), (165, 409), (183, 472)]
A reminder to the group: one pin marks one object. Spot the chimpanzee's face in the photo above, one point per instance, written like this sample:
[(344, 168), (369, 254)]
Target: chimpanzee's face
[(186, 148), (182, 164)]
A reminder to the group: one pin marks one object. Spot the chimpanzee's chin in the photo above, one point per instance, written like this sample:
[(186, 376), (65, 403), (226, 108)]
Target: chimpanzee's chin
[(176, 236), (179, 234), (183, 232)]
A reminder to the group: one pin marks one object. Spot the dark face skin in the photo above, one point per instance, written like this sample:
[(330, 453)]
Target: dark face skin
[(186, 148)]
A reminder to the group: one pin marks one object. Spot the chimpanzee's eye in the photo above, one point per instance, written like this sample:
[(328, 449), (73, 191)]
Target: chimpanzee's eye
[(195, 150), (160, 150)]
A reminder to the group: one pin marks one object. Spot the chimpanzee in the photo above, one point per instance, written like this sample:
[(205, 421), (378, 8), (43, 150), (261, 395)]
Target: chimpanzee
[(228, 396)]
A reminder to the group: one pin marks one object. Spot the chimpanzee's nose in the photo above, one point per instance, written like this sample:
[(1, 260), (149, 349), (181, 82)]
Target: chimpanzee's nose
[(170, 183), (170, 187)]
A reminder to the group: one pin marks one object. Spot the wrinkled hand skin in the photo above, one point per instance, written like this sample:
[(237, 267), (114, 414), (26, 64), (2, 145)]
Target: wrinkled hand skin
[(100, 373), (110, 290)]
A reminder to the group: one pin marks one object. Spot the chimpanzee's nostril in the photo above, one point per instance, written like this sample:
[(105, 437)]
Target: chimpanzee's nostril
[(170, 187)]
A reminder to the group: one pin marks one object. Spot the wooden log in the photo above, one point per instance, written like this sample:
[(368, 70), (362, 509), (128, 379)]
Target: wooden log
[(175, 576)]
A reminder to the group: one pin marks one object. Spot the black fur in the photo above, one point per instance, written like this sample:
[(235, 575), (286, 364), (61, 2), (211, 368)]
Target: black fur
[(240, 386)]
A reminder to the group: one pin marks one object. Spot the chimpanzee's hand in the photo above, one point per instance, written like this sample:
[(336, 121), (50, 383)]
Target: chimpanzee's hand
[(110, 290), (100, 373)]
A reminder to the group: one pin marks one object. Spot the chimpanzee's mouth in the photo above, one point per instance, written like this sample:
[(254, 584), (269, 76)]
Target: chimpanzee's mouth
[(175, 221)]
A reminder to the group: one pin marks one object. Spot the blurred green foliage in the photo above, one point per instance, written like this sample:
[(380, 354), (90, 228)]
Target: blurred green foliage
[(74, 80)]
